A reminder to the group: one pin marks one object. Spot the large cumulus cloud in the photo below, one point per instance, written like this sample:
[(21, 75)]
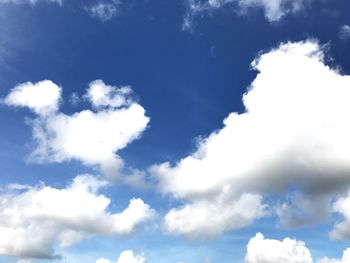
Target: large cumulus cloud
[(293, 135)]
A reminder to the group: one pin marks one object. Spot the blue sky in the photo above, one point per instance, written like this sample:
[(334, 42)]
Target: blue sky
[(174, 131)]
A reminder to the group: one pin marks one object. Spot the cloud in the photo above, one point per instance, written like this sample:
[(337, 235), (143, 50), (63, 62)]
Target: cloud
[(344, 32), (126, 256), (92, 137), (101, 95), (42, 97), (342, 230), (299, 210), (104, 10), (292, 135), (261, 250), (34, 220), (274, 10), (344, 259), (207, 219)]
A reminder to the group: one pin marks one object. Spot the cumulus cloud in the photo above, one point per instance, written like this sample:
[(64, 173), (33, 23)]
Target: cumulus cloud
[(92, 137), (344, 259), (293, 135), (42, 97), (34, 220), (126, 256), (342, 230), (261, 250), (206, 219), (104, 10), (274, 10)]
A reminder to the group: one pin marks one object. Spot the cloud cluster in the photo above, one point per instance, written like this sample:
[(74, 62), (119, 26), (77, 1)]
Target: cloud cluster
[(293, 134), (274, 10), (261, 250), (92, 137), (126, 256), (34, 220)]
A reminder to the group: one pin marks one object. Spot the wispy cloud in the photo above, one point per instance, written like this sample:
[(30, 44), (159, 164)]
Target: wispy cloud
[(274, 10), (104, 10)]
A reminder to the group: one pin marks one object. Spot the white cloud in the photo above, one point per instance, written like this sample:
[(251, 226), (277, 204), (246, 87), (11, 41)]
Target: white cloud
[(294, 133), (274, 10), (104, 10), (102, 95), (207, 219), (42, 97), (342, 230), (34, 220), (128, 256), (344, 32), (344, 259), (92, 137), (261, 250)]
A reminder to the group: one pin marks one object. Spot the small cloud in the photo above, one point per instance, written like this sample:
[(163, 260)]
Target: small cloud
[(344, 33), (74, 99), (104, 10), (261, 250)]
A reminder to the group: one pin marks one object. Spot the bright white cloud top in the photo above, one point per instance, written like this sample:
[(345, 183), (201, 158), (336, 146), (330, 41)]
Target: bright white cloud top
[(126, 256), (34, 220), (92, 137), (294, 133), (43, 97), (261, 250), (345, 258)]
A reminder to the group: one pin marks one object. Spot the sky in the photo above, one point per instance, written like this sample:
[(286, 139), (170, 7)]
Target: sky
[(184, 131)]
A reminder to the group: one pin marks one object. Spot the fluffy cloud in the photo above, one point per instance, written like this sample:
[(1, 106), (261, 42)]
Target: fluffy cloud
[(34, 220), (342, 229), (344, 259), (294, 133), (104, 10), (206, 219), (43, 97), (93, 137), (126, 256), (261, 250), (274, 10)]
